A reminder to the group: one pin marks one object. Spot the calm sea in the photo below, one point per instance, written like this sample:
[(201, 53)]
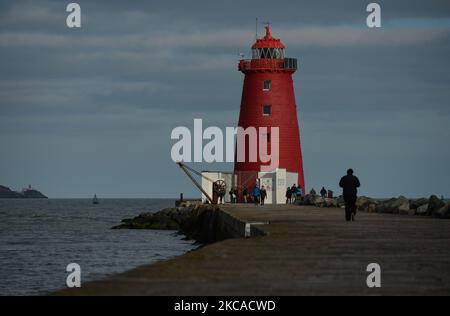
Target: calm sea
[(39, 238)]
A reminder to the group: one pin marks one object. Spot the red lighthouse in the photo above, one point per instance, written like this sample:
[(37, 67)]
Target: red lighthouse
[(268, 100)]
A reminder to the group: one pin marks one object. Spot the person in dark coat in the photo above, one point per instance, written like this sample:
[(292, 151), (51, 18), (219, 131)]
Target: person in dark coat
[(235, 194), (245, 194), (323, 192), (263, 194), (349, 185), (288, 195), (293, 191), (221, 197)]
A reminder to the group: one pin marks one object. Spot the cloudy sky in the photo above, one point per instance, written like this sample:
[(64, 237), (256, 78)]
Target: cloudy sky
[(90, 110)]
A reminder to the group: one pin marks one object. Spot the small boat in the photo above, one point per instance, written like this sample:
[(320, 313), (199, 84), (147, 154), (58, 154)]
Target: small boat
[(95, 200)]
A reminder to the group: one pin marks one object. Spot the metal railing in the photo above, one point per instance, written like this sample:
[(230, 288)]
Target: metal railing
[(268, 64)]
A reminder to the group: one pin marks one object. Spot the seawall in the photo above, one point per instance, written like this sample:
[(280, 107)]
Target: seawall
[(203, 223)]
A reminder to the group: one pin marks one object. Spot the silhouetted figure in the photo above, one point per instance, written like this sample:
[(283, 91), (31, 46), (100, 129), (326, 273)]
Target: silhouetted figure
[(215, 192), (312, 192), (323, 192), (263, 194), (221, 195), (245, 194), (349, 185), (288, 195), (293, 192)]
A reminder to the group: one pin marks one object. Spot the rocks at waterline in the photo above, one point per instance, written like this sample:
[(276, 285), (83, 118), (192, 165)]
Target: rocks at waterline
[(443, 212), (422, 210), (366, 204), (169, 218), (416, 203), (175, 218), (317, 200), (398, 205), (196, 222), (432, 206)]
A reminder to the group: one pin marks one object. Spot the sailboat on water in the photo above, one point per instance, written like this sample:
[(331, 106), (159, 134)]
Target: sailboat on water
[(95, 199)]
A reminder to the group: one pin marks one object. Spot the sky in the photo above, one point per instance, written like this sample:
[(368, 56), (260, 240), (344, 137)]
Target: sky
[(91, 110)]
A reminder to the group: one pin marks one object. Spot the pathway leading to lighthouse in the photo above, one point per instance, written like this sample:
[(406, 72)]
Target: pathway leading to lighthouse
[(307, 251)]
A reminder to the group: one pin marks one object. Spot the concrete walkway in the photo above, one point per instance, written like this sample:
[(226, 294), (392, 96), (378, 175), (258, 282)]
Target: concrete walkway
[(308, 251)]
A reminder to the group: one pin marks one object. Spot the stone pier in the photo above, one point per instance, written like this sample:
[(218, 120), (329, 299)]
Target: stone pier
[(300, 250)]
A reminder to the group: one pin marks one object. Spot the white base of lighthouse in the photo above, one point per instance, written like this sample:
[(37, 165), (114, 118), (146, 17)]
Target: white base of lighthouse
[(275, 183)]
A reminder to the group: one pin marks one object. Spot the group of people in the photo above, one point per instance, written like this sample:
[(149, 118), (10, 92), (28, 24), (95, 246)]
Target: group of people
[(349, 184), (257, 196), (292, 193)]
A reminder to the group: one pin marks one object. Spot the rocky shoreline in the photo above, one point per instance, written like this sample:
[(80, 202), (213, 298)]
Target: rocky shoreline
[(202, 223), (432, 206)]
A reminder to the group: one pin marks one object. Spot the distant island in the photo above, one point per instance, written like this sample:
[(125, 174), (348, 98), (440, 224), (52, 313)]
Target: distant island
[(28, 193)]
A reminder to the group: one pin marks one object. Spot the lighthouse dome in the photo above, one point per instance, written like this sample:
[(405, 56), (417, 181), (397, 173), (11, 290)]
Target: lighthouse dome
[(268, 47)]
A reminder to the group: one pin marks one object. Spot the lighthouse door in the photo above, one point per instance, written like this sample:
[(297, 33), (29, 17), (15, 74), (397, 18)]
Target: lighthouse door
[(267, 180)]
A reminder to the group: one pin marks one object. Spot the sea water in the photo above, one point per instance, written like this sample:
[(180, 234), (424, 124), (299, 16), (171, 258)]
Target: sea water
[(39, 238)]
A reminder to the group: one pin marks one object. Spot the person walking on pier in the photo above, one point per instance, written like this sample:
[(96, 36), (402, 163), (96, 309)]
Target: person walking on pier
[(231, 193), (256, 194), (263, 194), (221, 199), (288, 195), (323, 193), (349, 185), (293, 192), (245, 194)]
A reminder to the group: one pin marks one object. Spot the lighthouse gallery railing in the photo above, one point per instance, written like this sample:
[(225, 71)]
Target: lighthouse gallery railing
[(268, 64)]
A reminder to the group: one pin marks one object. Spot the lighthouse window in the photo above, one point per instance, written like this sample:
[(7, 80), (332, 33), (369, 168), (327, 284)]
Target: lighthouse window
[(266, 85), (267, 110), (268, 53), (262, 53), (279, 53)]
